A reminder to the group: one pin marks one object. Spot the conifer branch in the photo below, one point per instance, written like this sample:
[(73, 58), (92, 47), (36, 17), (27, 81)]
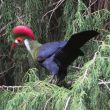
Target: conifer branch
[(105, 83), (2, 73), (45, 106), (12, 88), (67, 103)]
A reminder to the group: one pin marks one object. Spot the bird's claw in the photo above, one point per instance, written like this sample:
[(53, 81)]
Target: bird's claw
[(61, 83), (66, 84), (53, 79)]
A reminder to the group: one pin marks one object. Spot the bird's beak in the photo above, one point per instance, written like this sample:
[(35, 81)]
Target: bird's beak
[(27, 44)]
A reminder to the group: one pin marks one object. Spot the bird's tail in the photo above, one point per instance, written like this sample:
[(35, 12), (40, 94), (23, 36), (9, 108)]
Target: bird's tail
[(79, 39), (72, 49)]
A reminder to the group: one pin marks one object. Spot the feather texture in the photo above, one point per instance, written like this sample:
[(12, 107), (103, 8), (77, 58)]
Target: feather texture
[(56, 56)]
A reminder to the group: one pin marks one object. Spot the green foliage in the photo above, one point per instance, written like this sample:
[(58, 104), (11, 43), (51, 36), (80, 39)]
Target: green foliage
[(78, 18), (87, 92), (34, 10), (90, 90)]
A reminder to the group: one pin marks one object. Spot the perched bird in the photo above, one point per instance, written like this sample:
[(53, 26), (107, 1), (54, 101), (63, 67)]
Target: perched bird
[(54, 56)]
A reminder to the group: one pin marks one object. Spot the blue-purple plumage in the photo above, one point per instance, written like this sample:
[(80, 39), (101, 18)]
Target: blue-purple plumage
[(57, 56), (48, 49), (46, 55)]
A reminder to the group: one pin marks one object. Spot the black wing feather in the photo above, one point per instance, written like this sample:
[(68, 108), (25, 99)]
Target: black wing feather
[(72, 49), (79, 39)]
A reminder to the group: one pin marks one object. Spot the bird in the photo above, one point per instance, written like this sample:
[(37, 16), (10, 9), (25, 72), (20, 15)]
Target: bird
[(54, 56)]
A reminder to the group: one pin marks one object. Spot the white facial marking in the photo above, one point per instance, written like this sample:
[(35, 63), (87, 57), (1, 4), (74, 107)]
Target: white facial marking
[(26, 42), (16, 41)]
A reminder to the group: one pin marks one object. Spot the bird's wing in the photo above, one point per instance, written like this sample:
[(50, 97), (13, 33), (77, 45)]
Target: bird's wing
[(50, 65), (79, 39), (72, 48), (48, 49)]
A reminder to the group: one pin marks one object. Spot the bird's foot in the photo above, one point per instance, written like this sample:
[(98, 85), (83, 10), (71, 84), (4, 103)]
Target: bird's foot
[(61, 83), (53, 79), (66, 84)]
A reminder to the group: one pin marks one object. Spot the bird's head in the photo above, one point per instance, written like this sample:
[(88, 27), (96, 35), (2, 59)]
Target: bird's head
[(22, 35), (23, 31)]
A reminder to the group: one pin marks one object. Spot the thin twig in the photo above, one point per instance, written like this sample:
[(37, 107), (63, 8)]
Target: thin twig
[(1, 17), (12, 88), (52, 11), (56, 7), (86, 71), (1, 4), (85, 75), (105, 83), (47, 102), (77, 67), (67, 103), (21, 21), (2, 73), (3, 28)]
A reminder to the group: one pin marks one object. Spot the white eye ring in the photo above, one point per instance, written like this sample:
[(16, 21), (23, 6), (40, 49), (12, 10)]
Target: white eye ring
[(16, 41)]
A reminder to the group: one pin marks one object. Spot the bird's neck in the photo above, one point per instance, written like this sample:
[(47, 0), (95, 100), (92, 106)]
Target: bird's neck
[(33, 47)]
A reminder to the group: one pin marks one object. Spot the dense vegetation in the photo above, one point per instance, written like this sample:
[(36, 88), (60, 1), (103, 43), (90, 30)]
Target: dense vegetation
[(55, 20)]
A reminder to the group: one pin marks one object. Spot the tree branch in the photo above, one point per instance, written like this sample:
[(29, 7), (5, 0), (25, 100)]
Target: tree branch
[(52, 11), (102, 82)]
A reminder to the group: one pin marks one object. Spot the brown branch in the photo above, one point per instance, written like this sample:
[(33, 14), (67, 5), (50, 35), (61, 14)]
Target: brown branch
[(2, 73), (3, 28), (67, 103), (52, 11), (1, 4), (102, 82), (11, 88)]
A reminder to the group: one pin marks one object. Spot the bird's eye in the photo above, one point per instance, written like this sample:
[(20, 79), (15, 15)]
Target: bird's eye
[(19, 39)]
